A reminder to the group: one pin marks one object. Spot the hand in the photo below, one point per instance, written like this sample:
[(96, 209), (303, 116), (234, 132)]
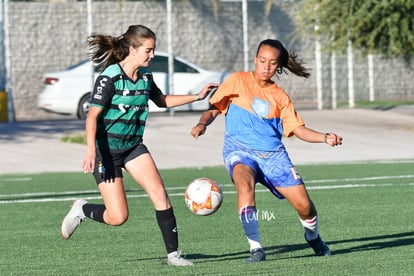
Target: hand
[(88, 163), (207, 90), (333, 139), (198, 129)]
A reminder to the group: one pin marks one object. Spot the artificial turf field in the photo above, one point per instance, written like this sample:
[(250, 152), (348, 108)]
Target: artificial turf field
[(365, 214)]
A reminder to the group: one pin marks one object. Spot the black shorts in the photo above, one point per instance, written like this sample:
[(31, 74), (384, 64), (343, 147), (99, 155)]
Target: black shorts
[(108, 165)]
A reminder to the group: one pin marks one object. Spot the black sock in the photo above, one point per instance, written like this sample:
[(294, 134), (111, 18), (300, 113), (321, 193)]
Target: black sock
[(168, 227), (94, 211)]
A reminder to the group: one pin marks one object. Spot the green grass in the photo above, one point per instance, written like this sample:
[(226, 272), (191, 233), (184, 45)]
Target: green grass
[(79, 138), (365, 212)]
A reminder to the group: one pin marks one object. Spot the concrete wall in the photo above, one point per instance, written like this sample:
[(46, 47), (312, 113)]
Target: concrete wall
[(52, 36)]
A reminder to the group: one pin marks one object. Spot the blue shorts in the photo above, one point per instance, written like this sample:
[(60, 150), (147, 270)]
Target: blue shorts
[(274, 169)]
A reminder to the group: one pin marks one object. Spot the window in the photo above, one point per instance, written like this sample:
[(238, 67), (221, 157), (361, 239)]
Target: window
[(160, 64)]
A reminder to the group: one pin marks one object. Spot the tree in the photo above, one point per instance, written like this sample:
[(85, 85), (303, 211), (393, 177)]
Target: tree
[(381, 27)]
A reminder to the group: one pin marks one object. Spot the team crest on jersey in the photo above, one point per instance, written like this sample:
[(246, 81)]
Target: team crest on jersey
[(260, 107), (145, 77)]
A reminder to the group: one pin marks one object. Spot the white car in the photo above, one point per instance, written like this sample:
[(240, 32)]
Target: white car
[(69, 91)]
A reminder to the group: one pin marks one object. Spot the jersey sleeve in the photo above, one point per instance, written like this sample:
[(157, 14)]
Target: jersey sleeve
[(103, 91), (224, 94), (155, 93), (290, 119)]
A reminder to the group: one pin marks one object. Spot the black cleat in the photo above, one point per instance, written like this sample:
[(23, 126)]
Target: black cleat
[(256, 255), (320, 248)]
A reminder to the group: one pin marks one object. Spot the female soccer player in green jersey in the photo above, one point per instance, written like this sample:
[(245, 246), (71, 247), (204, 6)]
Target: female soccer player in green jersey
[(114, 129)]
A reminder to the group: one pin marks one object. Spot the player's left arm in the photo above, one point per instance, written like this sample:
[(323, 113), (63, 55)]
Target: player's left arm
[(313, 136), (177, 100)]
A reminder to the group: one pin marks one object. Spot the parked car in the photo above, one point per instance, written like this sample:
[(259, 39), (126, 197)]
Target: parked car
[(69, 91)]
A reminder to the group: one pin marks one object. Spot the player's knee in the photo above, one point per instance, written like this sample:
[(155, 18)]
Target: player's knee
[(117, 219), (307, 214), (306, 210), (245, 188)]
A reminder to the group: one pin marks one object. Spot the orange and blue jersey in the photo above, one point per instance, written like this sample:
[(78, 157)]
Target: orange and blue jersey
[(256, 117)]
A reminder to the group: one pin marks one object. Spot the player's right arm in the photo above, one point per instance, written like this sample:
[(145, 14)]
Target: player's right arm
[(206, 119), (101, 96), (88, 163)]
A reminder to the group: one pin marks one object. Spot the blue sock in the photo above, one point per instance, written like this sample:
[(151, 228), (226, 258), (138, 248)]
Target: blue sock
[(311, 227), (250, 224)]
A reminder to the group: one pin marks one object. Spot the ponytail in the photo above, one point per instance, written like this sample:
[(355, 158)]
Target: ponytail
[(286, 60), (109, 50)]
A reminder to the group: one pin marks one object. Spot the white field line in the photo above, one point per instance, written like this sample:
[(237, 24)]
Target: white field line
[(17, 179), (48, 197), (362, 178)]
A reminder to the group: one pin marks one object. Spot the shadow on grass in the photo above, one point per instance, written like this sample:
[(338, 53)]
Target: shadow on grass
[(377, 242), (364, 243)]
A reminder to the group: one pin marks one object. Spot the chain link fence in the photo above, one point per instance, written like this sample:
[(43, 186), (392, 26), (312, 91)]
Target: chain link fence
[(51, 36)]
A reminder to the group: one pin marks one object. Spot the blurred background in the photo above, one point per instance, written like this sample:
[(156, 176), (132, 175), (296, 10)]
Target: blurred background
[(356, 50)]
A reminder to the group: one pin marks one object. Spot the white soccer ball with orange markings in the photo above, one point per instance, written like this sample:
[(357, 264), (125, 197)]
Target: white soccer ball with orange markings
[(203, 196)]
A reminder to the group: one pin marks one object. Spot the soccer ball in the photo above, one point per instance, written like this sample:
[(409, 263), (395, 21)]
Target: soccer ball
[(203, 196)]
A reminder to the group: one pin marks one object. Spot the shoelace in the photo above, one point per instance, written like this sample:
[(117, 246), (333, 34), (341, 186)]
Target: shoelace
[(179, 255)]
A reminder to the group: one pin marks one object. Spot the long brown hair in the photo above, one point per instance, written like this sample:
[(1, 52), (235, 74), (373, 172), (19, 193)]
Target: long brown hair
[(286, 60), (107, 50)]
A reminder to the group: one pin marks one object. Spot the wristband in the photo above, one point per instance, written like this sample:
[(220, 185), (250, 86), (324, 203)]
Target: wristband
[(198, 97), (201, 123), (325, 137)]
